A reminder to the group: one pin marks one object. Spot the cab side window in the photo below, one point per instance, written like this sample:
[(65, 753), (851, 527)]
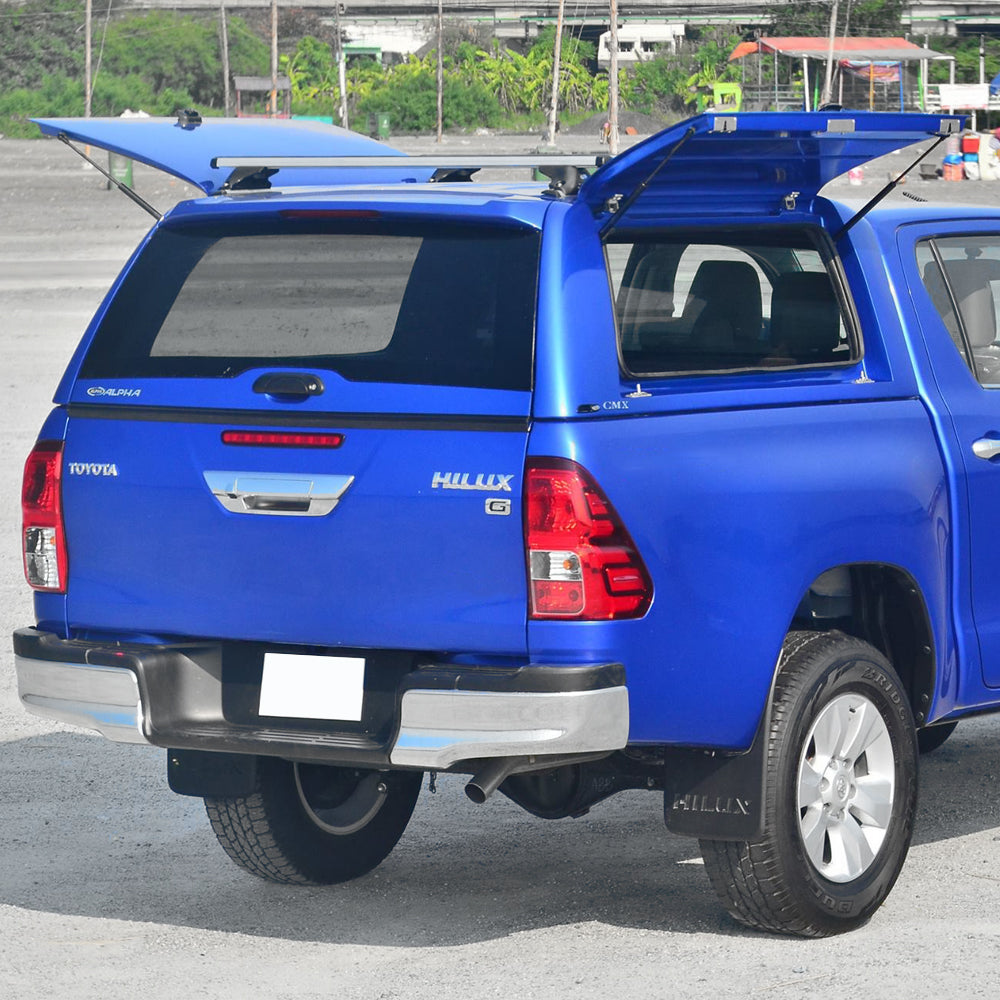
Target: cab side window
[(698, 305), (962, 277)]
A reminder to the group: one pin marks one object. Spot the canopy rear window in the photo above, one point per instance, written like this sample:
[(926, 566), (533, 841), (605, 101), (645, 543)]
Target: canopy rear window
[(422, 303)]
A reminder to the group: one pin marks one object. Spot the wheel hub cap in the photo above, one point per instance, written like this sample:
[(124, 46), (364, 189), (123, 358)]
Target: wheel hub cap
[(846, 787)]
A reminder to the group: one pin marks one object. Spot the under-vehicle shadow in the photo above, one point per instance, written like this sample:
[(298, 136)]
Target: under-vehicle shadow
[(89, 828)]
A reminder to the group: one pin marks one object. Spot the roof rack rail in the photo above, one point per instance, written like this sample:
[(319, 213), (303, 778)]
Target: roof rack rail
[(447, 167), (443, 160)]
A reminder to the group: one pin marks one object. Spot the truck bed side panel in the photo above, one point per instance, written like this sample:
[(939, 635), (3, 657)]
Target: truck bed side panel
[(736, 512)]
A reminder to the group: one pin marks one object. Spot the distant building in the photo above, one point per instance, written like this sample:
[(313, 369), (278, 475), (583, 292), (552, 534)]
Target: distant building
[(640, 41)]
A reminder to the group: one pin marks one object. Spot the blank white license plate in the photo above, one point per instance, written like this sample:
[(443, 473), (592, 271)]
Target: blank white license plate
[(312, 687)]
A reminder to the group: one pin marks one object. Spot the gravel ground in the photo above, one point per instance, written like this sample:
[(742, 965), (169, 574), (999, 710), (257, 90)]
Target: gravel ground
[(111, 886)]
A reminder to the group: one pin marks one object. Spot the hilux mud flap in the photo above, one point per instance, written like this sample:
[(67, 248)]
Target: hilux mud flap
[(717, 796)]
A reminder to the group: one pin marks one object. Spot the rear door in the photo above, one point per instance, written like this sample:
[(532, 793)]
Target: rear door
[(954, 278), (307, 426)]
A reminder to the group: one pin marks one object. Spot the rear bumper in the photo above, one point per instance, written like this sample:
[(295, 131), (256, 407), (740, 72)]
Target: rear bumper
[(203, 697)]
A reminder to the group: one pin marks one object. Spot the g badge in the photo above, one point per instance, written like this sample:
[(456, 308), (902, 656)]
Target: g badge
[(495, 505)]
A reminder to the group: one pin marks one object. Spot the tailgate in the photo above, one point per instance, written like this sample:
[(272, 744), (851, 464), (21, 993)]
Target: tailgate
[(307, 435)]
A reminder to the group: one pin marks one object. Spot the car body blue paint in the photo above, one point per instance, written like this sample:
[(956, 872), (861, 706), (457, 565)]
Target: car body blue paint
[(739, 489), (725, 506)]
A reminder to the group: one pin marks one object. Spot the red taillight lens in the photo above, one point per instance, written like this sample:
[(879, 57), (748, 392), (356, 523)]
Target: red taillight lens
[(274, 439), (582, 563), (43, 535)]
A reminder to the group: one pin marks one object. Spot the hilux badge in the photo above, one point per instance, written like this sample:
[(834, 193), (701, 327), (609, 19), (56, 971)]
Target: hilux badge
[(493, 482)]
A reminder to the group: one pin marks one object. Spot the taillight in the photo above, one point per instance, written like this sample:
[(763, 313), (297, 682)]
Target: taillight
[(43, 535), (582, 563), (280, 439)]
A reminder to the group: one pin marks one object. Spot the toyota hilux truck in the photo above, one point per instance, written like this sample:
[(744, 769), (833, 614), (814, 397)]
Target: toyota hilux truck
[(666, 473)]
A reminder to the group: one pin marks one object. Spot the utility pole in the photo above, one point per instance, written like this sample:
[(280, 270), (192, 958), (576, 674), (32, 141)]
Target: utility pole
[(613, 82), (274, 58), (982, 80), (828, 84), (440, 72), (341, 66), (556, 58), (88, 92), (225, 57)]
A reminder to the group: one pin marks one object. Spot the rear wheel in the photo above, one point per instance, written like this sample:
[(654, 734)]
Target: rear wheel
[(314, 825), (841, 794)]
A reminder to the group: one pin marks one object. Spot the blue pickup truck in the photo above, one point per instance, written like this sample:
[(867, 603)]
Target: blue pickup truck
[(668, 473)]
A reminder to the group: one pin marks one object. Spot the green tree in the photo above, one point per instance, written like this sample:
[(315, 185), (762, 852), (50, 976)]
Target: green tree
[(860, 18), (408, 94), (178, 51), (655, 86), (573, 50), (712, 65), (312, 72), (965, 49), (40, 38)]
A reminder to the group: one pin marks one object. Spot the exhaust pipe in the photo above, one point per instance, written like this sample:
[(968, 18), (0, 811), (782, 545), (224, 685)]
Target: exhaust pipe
[(491, 776)]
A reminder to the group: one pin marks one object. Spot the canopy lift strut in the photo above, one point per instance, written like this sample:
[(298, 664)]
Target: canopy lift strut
[(124, 188)]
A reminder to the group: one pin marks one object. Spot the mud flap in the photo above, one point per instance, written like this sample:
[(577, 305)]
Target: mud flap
[(714, 796), (211, 775)]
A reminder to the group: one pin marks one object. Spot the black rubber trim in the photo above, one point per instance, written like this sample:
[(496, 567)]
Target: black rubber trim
[(535, 679), (258, 418)]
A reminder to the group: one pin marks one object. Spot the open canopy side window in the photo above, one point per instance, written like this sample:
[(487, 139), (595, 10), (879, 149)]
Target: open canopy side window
[(747, 164), (717, 301)]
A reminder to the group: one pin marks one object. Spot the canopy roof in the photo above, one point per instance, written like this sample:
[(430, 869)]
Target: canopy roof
[(189, 151), (855, 49)]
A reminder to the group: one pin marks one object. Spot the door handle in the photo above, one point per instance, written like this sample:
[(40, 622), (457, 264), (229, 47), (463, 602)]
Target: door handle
[(986, 448)]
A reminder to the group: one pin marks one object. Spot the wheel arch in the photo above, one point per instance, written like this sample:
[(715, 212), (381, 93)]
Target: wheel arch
[(884, 605), (720, 796)]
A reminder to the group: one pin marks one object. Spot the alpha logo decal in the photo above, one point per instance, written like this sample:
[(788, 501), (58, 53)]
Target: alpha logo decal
[(493, 483), (99, 390), (93, 469)]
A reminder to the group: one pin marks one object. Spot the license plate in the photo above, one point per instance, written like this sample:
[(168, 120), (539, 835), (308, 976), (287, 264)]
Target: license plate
[(312, 687)]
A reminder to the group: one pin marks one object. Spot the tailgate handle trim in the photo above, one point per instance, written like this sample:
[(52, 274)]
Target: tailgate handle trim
[(266, 493), (289, 387)]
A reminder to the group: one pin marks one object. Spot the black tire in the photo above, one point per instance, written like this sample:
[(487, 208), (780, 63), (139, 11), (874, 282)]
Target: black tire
[(309, 824), (826, 866), (929, 739)]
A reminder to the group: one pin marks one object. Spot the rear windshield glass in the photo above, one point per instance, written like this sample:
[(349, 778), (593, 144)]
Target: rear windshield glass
[(431, 304), (706, 301)]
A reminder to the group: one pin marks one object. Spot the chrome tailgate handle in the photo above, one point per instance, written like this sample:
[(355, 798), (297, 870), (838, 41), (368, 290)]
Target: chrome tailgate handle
[(289, 496), (986, 448)]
